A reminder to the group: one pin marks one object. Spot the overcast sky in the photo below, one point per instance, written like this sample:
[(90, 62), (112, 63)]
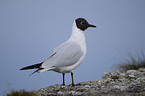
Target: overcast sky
[(30, 29)]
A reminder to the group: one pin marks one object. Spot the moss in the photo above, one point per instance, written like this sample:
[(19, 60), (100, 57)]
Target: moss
[(115, 77), (21, 93)]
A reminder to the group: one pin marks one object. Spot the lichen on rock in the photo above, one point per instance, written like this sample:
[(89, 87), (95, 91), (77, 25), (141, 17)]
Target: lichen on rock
[(117, 82)]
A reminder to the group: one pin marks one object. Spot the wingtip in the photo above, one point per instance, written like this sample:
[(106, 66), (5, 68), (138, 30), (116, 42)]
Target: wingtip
[(35, 66), (21, 69)]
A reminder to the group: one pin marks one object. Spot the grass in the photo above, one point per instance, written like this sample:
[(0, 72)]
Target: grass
[(132, 63), (21, 93)]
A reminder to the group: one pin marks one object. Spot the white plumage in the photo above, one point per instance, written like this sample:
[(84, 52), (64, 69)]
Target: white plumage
[(68, 55)]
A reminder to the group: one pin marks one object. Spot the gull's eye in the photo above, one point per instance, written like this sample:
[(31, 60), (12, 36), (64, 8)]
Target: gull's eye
[(82, 23)]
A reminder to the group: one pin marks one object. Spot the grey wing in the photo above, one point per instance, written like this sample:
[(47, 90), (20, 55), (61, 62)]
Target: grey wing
[(64, 55)]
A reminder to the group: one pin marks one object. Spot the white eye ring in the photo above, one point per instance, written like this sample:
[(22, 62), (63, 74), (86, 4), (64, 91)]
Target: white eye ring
[(82, 23)]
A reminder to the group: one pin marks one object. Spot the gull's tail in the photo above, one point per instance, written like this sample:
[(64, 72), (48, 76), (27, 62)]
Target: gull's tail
[(35, 66)]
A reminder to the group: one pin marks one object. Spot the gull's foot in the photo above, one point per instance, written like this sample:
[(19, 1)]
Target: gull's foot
[(73, 84), (62, 84)]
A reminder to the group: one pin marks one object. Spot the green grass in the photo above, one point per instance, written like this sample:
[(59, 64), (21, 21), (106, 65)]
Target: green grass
[(132, 63), (21, 93)]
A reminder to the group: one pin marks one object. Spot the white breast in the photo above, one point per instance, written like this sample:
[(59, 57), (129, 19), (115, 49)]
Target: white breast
[(77, 36)]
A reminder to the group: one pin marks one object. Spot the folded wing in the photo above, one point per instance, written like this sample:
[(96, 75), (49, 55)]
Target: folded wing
[(66, 54)]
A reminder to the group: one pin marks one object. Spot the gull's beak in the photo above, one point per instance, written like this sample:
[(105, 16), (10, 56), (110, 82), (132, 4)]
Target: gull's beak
[(90, 25)]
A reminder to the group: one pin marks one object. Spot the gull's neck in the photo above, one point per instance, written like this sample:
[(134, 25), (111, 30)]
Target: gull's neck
[(77, 35)]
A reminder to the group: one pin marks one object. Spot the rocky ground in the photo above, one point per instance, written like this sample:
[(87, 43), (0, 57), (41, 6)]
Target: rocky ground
[(117, 83)]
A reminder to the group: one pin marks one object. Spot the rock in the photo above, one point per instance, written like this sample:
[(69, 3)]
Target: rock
[(131, 71), (131, 83), (142, 69)]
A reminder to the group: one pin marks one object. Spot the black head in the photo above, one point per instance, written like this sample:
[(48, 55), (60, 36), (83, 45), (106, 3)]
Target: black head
[(83, 24)]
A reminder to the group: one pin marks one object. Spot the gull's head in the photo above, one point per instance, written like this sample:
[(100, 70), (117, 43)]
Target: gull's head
[(82, 24)]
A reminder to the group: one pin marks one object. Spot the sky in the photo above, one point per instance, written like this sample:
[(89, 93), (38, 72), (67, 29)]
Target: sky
[(31, 29)]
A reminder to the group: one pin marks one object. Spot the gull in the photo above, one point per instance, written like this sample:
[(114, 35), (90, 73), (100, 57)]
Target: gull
[(67, 56)]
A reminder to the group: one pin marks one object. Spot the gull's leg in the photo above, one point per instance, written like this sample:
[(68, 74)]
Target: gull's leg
[(72, 79), (63, 78)]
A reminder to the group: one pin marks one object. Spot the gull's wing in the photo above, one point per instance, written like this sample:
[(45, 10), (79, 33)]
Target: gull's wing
[(66, 54)]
